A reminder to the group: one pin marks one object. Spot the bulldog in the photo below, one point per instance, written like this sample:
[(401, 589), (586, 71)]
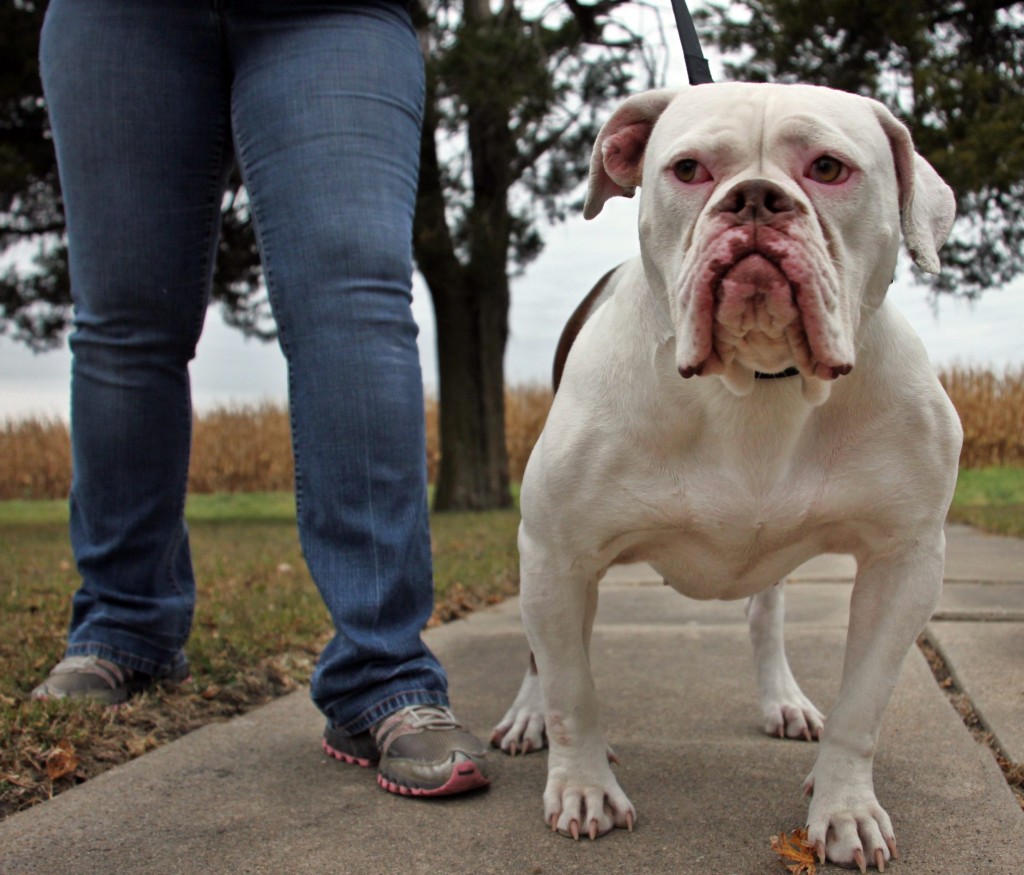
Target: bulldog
[(740, 398)]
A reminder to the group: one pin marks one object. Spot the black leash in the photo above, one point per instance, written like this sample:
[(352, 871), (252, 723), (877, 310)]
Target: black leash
[(697, 69)]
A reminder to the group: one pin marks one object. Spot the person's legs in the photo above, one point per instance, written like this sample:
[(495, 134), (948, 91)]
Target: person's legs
[(138, 100), (326, 107)]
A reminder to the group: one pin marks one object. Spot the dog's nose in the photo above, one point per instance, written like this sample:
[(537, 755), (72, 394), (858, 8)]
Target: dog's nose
[(756, 200)]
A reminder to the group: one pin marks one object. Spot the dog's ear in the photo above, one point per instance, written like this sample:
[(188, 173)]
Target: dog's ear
[(617, 161), (927, 204), (929, 218)]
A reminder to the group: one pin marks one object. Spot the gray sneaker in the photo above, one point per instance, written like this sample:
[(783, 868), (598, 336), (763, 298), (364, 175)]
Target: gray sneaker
[(356, 750), (422, 750), (91, 677)]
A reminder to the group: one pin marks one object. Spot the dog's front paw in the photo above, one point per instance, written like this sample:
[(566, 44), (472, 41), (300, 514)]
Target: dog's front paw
[(846, 825), (790, 714), (521, 730), (575, 805)]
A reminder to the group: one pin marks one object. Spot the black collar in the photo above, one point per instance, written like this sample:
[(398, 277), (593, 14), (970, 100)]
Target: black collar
[(789, 372)]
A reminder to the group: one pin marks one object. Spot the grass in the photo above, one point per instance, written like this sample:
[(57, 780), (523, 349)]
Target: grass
[(219, 507), (991, 499), (259, 625)]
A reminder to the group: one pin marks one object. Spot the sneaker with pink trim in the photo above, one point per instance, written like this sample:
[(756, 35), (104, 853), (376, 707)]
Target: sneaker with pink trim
[(422, 750), (356, 750)]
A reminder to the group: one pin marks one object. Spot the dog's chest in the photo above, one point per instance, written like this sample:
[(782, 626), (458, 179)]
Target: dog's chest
[(720, 538)]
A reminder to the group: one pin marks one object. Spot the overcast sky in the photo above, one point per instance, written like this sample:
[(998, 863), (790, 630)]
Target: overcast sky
[(229, 369)]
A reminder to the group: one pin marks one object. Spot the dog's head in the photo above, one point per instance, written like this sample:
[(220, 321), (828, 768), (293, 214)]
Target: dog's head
[(770, 216)]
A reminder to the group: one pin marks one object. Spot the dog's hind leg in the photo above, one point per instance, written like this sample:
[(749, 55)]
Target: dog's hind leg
[(788, 713), (521, 730)]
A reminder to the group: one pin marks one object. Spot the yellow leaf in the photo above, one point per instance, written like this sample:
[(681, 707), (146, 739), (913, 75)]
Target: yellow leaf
[(60, 761), (795, 847)]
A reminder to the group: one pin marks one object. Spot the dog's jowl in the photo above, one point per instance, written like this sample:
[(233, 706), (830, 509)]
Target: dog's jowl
[(737, 399)]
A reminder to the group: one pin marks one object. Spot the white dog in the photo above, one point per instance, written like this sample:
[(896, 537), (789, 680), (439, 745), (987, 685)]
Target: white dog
[(770, 221)]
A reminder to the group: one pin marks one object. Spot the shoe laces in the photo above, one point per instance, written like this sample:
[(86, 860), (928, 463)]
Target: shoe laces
[(112, 674), (414, 718)]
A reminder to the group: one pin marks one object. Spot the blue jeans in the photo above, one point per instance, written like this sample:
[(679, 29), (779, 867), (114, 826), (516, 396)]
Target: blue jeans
[(151, 103)]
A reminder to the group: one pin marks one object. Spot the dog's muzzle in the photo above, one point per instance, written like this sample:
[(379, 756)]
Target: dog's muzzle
[(761, 292)]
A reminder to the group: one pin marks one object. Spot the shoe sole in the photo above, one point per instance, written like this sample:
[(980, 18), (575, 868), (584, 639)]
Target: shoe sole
[(464, 777), (362, 762)]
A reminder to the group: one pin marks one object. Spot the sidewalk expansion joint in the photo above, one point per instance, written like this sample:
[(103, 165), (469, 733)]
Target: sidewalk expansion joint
[(978, 617), (964, 707)]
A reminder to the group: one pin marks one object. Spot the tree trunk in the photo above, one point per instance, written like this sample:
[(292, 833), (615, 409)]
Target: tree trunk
[(471, 331), (471, 304)]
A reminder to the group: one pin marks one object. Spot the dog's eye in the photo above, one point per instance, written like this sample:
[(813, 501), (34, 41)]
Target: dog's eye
[(690, 170), (828, 170)]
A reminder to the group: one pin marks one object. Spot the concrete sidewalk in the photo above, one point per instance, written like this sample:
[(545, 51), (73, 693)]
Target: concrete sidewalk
[(255, 795)]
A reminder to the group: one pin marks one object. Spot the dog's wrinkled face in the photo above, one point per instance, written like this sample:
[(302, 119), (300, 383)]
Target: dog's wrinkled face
[(770, 215)]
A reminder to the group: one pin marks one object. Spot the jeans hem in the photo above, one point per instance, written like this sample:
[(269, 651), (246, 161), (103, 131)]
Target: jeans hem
[(389, 706), (125, 659)]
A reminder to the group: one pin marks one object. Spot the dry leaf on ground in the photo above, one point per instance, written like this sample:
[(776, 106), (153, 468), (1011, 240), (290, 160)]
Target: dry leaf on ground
[(61, 761), (795, 847)]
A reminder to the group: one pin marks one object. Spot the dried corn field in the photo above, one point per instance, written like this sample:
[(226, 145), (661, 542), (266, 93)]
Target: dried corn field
[(35, 459), (526, 408), (245, 449), (242, 449), (991, 408)]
